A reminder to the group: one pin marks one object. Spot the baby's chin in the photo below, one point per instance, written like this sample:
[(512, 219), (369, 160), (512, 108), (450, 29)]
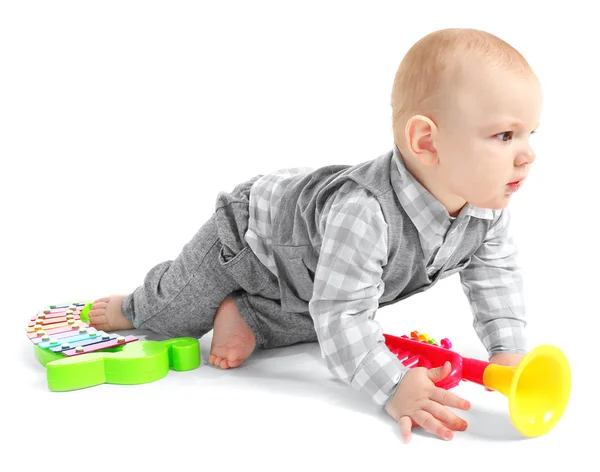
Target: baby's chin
[(498, 204)]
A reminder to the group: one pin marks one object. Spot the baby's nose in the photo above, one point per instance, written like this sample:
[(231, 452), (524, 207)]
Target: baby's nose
[(527, 156)]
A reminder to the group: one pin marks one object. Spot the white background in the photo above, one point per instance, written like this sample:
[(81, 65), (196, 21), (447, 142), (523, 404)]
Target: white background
[(120, 122)]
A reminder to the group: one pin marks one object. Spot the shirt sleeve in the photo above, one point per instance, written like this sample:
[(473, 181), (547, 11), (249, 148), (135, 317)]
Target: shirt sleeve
[(493, 284), (347, 288)]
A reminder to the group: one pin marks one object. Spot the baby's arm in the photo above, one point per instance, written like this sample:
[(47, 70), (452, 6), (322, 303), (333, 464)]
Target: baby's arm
[(494, 286), (347, 288)]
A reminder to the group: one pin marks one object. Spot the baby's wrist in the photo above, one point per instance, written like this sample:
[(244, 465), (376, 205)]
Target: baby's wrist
[(507, 358)]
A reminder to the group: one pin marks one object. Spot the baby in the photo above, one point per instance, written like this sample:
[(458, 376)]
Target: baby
[(305, 255)]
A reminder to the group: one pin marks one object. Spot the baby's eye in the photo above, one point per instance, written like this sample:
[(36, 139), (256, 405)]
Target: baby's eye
[(507, 134)]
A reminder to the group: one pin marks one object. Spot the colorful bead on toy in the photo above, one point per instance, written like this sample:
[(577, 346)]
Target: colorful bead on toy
[(424, 337)]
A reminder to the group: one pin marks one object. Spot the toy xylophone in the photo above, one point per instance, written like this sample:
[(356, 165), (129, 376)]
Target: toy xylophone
[(64, 328), (77, 355)]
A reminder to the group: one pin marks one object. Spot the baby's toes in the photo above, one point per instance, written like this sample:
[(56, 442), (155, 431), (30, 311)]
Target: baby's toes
[(98, 317), (99, 305), (218, 362)]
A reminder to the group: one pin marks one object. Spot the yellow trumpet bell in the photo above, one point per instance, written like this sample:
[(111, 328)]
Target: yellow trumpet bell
[(538, 389)]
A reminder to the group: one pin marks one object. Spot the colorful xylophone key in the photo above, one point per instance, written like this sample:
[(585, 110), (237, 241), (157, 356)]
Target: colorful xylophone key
[(69, 338), (105, 344), (423, 337), (66, 335), (56, 330)]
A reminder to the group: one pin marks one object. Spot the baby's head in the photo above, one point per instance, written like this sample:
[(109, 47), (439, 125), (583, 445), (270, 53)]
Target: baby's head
[(464, 105)]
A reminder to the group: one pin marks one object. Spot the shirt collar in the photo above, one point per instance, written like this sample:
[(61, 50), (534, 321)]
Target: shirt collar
[(426, 212)]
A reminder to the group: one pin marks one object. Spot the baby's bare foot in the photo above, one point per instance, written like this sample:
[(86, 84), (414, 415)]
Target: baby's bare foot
[(106, 314), (232, 341)]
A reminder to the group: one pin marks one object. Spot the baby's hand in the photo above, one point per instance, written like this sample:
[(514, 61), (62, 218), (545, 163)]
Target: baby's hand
[(418, 402), (508, 359)]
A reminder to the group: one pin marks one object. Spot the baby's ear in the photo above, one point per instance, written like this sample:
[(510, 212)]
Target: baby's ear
[(419, 137)]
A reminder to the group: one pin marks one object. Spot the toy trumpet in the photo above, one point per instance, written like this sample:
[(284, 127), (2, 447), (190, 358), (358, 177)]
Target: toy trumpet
[(538, 389)]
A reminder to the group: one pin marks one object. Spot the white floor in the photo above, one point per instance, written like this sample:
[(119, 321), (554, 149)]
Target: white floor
[(280, 410)]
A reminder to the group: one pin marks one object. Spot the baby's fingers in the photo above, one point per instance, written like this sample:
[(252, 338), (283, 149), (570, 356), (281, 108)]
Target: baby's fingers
[(446, 416), (405, 428), (445, 397), (431, 424)]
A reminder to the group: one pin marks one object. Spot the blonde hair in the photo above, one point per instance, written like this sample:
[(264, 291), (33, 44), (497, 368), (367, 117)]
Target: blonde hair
[(433, 62)]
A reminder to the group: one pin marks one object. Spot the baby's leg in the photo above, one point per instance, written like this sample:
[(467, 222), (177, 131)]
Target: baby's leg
[(232, 341), (244, 321), (178, 298)]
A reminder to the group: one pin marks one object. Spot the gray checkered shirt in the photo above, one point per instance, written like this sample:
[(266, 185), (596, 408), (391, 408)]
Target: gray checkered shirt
[(353, 250)]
